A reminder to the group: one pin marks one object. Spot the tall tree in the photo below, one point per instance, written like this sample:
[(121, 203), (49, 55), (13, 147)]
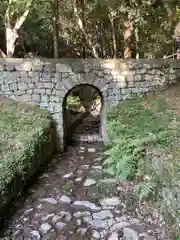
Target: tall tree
[(127, 39), (55, 8), (83, 30), (15, 16)]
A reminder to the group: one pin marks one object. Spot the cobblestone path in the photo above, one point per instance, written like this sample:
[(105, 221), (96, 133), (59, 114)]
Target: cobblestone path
[(75, 199)]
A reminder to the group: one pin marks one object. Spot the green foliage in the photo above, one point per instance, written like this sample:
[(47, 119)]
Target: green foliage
[(145, 136), (26, 142), (150, 18), (132, 127), (73, 102), (146, 189)]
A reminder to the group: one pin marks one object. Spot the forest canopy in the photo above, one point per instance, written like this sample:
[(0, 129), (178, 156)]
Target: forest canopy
[(89, 28)]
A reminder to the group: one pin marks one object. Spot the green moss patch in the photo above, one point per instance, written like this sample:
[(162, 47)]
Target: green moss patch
[(27, 141)]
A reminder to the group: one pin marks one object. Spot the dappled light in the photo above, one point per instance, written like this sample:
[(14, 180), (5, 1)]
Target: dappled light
[(82, 110), (90, 120)]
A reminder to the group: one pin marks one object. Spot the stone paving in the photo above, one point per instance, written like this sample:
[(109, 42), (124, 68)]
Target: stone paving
[(76, 199), (88, 130)]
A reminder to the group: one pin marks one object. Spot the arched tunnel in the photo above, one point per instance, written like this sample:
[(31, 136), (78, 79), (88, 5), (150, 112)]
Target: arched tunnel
[(82, 108)]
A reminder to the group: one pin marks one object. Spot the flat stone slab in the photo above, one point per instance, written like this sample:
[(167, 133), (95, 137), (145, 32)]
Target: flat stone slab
[(49, 200), (103, 215), (65, 199), (86, 204), (89, 182), (114, 201), (98, 224)]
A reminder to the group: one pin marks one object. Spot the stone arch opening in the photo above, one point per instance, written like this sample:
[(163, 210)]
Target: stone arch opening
[(83, 111)]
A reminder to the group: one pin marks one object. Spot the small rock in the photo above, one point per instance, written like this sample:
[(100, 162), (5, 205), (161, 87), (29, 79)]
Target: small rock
[(78, 179), (111, 222), (114, 201), (96, 235), (48, 216), (67, 216), (65, 199), (130, 234), (85, 166), (98, 159), (134, 221), (26, 231), (82, 231), (117, 211), (35, 235), (40, 206), (119, 225), (45, 227), (68, 175), (50, 236), (78, 222), (80, 214), (97, 167), (86, 204), (123, 218), (146, 236), (107, 207), (56, 218), (60, 225), (98, 224), (28, 211), (17, 233), (18, 226), (113, 236), (108, 180), (92, 150), (89, 182), (49, 200), (87, 218), (103, 215), (25, 220), (77, 214)]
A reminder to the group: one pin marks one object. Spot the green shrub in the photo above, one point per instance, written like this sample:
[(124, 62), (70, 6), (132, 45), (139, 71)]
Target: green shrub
[(144, 146), (26, 142)]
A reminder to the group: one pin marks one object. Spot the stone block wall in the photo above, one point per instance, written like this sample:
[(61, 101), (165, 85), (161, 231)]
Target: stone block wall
[(45, 82)]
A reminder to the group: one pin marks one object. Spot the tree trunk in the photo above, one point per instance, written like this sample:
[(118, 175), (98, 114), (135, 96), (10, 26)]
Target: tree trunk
[(56, 28), (127, 39), (11, 37), (137, 42), (82, 28), (113, 37), (2, 54), (11, 31)]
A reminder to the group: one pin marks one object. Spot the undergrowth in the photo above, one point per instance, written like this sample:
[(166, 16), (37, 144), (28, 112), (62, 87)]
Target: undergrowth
[(144, 147), (26, 142)]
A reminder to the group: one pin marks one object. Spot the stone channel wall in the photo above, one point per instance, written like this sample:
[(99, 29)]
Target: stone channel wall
[(46, 82)]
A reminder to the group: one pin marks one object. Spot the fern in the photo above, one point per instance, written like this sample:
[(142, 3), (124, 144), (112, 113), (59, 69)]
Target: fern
[(145, 142), (145, 189)]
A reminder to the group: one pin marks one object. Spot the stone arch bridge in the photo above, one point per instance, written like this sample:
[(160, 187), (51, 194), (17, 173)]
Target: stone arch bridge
[(46, 82)]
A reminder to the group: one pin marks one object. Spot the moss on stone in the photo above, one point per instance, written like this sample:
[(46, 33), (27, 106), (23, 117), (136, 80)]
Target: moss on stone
[(27, 140)]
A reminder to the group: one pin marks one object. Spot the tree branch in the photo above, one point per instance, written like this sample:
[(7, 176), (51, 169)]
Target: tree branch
[(23, 17), (7, 13), (81, 26)]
